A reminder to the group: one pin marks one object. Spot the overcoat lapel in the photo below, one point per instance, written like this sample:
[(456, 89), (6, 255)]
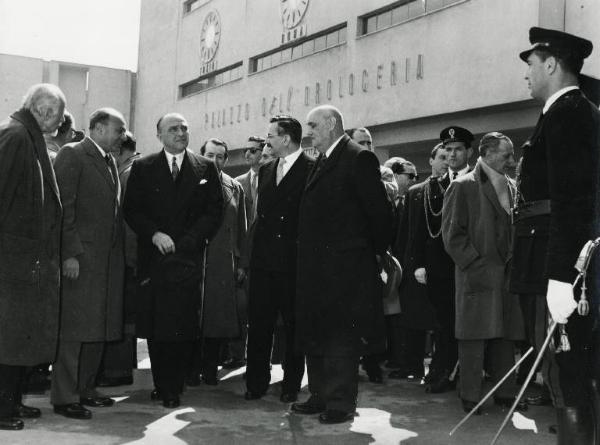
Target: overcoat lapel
[(489, 191), (99, 163), (329, 163), (289, 181)]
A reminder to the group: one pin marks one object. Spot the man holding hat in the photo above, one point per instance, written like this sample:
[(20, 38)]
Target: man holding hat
[(553, 218)]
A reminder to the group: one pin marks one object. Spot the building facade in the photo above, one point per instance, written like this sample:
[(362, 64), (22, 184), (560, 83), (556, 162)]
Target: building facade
[(86, 87), (404, 69)]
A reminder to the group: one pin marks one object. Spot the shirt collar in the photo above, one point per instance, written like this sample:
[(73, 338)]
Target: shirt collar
[(459, 172), (291, 158), (330, 149), (178, 158), (556, 95), (493, 174)]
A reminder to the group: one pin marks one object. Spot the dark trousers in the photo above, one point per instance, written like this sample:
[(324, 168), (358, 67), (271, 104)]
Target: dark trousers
[(501, 357), (12, 379), (169, 363), (413, 350), (566, 373), (333, 382), (119, 358), (74, 373), (445, 352), (237, 348), (271, 293)]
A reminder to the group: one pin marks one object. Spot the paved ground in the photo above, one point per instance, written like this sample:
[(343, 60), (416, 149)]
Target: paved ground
[(392, 413)]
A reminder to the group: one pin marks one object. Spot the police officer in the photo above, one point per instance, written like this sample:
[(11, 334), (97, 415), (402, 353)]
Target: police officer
[(553, 219)]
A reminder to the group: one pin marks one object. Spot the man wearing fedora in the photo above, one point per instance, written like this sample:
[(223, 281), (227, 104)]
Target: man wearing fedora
[(553, 219)]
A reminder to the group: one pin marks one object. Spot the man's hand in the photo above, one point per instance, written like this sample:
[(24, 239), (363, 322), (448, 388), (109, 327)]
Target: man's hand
[(163, 242), (240, 276), (561, 302), (71, 268), (421, 275)]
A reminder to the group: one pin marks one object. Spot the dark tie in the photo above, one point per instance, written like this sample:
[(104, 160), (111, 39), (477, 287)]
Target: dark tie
[(109, 164), (174, 169), (454, 175)]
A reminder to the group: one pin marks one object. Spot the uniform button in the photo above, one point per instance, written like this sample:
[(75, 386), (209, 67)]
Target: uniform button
[(532, 231), (278, 236), (282, 218)]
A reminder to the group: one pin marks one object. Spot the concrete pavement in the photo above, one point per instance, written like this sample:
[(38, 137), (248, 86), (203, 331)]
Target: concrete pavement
[(392, 413)]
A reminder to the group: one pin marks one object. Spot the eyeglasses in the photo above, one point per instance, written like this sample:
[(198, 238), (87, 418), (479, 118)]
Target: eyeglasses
[(252, 149)]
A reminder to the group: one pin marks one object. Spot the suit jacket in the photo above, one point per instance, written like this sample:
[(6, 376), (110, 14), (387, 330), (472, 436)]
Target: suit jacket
[(190, 211), (30, 219), (275, 234), (244, 180), (92, 232), (477, 235), (345, 219), (220, 315), (560, 164)]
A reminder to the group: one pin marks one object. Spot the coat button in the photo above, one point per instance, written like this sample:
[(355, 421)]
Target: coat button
[(282, 218), (532, 231), (278, 236)]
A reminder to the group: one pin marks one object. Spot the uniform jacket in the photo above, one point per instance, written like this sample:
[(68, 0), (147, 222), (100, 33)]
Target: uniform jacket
[(560, 164), (220, 316), (92, 232), (477, 235), (344, 221), (30, 219), (189, 210), (275, 234)]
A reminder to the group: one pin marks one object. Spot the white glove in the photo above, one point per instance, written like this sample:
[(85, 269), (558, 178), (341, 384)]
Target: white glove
[(421, 275), (561, 302)]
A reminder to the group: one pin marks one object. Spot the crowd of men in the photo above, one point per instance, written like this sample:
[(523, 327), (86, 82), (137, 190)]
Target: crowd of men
[(100, 245)]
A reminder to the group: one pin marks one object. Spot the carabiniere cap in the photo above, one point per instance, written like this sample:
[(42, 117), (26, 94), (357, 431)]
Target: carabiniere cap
[(557, 43)]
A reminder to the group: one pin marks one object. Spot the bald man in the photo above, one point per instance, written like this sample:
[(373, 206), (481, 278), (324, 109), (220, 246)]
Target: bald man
[(345, 221), (174, 203), (30, 218), (93, 263)]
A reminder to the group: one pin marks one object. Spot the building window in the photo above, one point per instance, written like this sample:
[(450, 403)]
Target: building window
[(398, 12), (192, 5), (303, 47), (212, 80)]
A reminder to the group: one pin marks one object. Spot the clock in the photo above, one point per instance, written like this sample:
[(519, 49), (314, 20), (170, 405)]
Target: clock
[(210, 36), (292, 12)]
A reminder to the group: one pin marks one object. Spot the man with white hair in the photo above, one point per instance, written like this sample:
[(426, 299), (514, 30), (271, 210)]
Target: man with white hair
[(345, 221), (30, 219)]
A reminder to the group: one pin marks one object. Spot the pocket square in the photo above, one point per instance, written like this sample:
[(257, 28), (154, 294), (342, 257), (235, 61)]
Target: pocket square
[(202, 181)]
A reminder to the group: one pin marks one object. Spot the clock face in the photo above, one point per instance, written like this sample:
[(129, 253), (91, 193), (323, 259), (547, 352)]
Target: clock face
[(292, 12), (209, 37)]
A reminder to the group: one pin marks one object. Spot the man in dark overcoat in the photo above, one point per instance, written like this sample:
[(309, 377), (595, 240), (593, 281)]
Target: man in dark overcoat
[(553, 220), (477, 235), (273, 260), (345, 221), (30, 218), (174, 202), (93, 263)]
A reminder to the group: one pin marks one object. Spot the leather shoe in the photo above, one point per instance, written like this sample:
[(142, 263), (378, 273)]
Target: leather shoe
[(97, 402), (105, 382), (539, 400), (155, 394), (335, 416), (307, 408), (26, 412), (11, 424), (507, 402), (468, 406), (73, 411), (288, 397), (171, 403), (252, 395)]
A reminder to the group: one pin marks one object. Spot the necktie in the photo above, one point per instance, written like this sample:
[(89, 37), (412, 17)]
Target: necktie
[(504, 196), (279, 171), (174, 168), (253, 186), (454, 175), (109, 164)]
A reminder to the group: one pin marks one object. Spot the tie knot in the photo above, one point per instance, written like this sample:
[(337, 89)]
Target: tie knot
[(454, 175), (107, 159)]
